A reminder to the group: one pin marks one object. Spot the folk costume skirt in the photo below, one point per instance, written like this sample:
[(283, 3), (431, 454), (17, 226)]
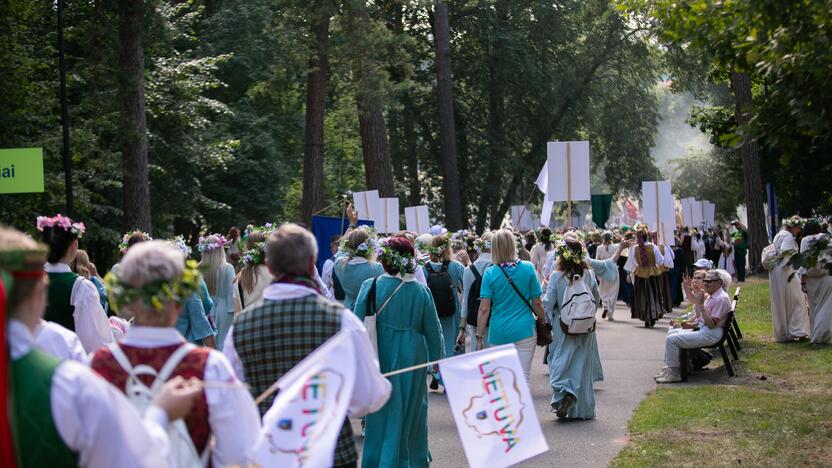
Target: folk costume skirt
[(647, 299)]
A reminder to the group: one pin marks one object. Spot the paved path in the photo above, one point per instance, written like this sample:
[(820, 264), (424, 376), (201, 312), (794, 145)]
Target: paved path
[(630, 355)]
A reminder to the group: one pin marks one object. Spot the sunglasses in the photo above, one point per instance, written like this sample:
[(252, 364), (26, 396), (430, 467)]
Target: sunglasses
[(710, 281)]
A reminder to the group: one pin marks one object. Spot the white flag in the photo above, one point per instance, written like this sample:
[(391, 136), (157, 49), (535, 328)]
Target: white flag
[(301, 428), (542, 181), (492, 407)]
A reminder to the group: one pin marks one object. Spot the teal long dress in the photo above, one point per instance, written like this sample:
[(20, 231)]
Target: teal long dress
[(572, 359), (353, 275), (408, 334)]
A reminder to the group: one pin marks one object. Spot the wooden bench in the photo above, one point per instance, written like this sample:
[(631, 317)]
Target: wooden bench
[(684, 358)]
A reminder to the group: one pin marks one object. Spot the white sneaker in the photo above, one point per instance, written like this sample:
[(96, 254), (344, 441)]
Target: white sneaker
[(662, 373), (672, 376)]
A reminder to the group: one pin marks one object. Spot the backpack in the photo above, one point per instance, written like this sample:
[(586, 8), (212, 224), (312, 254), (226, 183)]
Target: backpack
[(577, 312), (442, 290), (141, 396), (769, 257), (473, 302)]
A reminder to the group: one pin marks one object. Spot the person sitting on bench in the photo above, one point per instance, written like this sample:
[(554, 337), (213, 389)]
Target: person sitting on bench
[(712, 306)]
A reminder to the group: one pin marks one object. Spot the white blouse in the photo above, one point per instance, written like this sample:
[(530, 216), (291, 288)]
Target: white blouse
[(94, 419), (59, 342), (232, 414), (91, 324)]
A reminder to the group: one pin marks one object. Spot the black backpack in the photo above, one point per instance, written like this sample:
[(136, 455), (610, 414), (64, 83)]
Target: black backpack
[(473, 303), (337, 289), (442, 290)]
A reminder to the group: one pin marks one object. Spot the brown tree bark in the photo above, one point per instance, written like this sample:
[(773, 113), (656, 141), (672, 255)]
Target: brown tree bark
[(447, 133), (752, 183), (136, 185), (313, 148), (378, 169)]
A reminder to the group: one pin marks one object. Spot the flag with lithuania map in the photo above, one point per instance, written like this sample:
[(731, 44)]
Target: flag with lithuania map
[(21, 170)]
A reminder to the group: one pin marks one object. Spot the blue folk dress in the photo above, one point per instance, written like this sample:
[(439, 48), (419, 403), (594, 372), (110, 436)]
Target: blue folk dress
[(408, 333), (352, 272), (223, 309), (572, 358)]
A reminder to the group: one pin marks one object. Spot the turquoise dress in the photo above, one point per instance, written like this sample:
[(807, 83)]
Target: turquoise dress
[(408, 334), (223, 309), (572, 359), (450, 325), (353, 275)]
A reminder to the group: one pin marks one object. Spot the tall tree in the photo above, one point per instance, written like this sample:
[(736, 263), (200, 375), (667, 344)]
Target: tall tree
[(447, 133), (378, 168), (751, 180), (313, 149), (133, 130)]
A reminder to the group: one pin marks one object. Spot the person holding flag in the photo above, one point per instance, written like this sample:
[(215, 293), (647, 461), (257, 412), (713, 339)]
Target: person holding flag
[(293, 319)]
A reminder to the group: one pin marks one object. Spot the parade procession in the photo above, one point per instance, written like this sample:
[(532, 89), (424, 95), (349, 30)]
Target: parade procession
[(485, 233)]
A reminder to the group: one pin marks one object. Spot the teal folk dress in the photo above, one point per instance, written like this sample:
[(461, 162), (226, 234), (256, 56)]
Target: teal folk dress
[(352, 273), (408, 334), (573, 359)]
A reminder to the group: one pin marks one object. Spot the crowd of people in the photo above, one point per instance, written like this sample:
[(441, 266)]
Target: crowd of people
[(183, 347)]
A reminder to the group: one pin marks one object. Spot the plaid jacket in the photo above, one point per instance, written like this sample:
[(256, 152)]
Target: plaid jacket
[(274, 336)]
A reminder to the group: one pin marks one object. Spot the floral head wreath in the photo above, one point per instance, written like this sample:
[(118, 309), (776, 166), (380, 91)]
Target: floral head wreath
[(459, 239), (404, 263), (257, 254), (206, 244), (482, 245), (63, 222), (365, 249), (155, 293), (436, 250), (182, 246), (566, 254), (122, 247), (794, 221)]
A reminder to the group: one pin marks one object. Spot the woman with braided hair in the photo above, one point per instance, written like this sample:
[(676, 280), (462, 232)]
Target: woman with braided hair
[(643, 266)]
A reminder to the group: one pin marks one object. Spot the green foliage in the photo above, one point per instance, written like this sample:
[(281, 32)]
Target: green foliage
[(714, 176)]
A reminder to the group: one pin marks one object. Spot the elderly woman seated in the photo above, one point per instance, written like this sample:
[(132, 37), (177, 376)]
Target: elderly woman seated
[(711, 307)]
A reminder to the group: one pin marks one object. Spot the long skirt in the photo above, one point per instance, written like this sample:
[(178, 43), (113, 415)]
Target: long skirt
[(819, 290), (667, 297), (647, 300), (789, 318), (625, 289)]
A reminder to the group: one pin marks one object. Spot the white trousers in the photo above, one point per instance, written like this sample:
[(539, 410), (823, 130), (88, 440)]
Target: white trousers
[(688, 339), (525, 350)]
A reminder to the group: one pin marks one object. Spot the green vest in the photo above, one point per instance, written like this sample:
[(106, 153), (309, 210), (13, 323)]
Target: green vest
[(37, 439), (58, 308)]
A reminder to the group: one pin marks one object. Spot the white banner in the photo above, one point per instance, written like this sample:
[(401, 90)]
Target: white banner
[(492, 407), (657, 209), (389, 222), (521, 217), (417, 219), (301, 428), (546, 213), (567, 166), (708, 213), (368, 205)]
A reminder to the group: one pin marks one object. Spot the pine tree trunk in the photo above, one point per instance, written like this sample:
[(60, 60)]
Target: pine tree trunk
[(313, 149), (378, 169), (752, 180), (136, 185), (447, 132)]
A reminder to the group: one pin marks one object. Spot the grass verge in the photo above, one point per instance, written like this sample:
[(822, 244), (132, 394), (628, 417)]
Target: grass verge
[(776, 412)]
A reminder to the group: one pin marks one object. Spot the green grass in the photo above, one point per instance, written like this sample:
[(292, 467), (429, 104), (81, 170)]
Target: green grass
[(776, 412)]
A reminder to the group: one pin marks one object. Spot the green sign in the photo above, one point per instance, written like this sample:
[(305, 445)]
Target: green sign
[(21, 170)]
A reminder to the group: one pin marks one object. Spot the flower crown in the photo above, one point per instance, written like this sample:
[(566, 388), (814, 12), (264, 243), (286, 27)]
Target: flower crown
[(62, 222), (254, 256), (404, 263), (122, 247), (364, 249), (482, 245), (207, 245), (155, 293), (566, 254), (436, 250), (182, 246), (794, 221)]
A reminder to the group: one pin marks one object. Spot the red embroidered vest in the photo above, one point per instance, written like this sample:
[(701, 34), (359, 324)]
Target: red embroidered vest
[(192, 365)]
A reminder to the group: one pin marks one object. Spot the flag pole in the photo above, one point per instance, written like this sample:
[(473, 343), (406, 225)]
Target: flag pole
[(568, 184)]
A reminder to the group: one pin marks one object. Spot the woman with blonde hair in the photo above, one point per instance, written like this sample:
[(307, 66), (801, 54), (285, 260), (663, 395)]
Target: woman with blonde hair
[(355, 262), (510, 299), (254, 276), (219, 275), (84, 267)]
